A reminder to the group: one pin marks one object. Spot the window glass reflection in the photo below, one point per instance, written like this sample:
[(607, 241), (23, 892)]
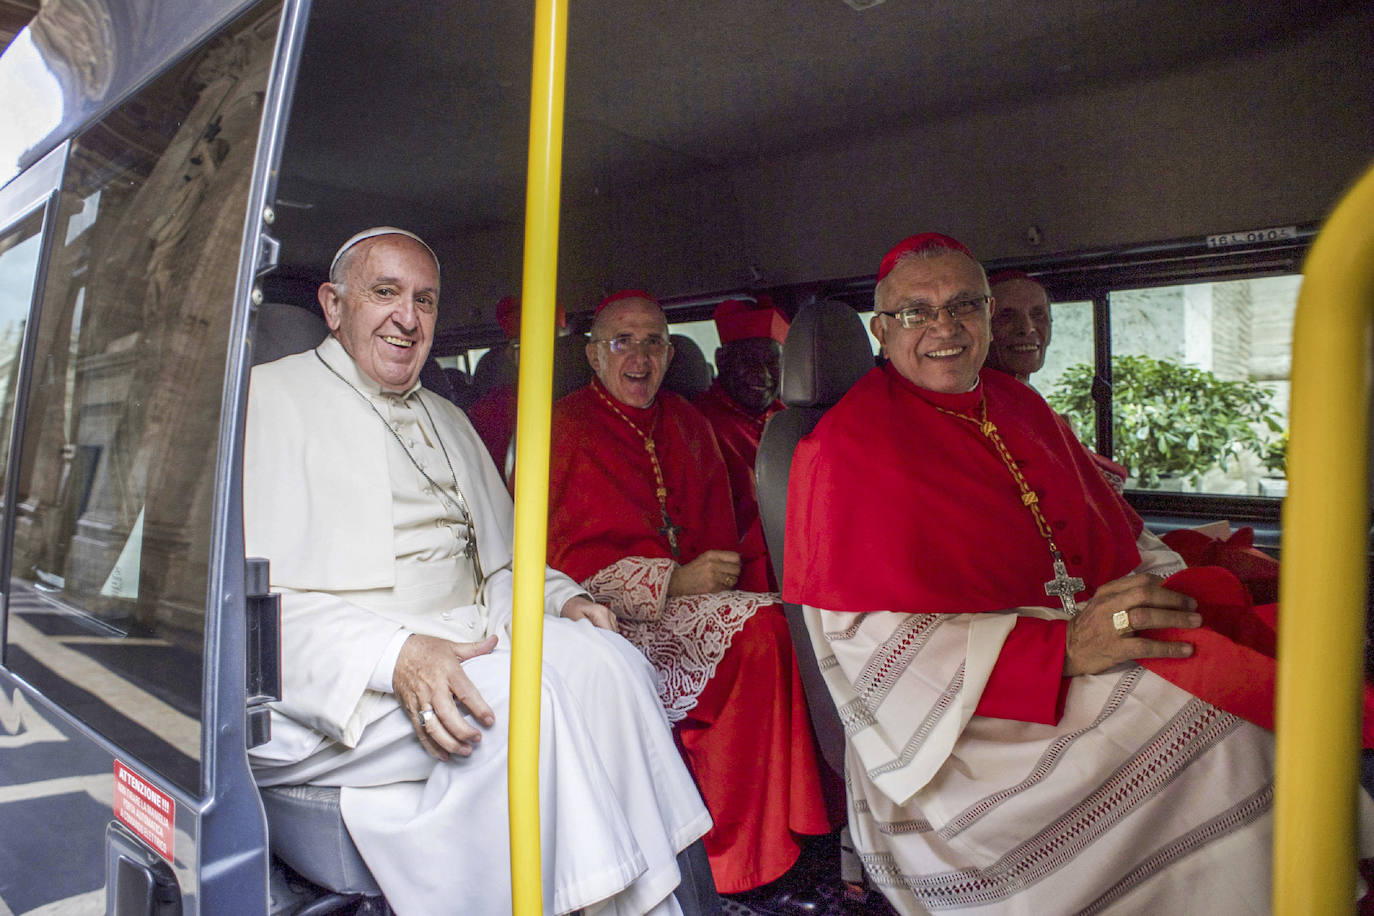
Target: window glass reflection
[(19, 250), (116, 475)]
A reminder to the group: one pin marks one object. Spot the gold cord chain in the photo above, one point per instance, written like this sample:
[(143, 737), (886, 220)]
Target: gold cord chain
[(669, 529), (1061, 586)]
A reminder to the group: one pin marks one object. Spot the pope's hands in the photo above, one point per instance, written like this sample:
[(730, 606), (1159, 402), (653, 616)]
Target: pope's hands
[(1094, 644), (713, 571), (580, 607), (429, 675)]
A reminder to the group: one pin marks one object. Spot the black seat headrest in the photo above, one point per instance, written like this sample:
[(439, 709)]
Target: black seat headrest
[(460, 383), (494, 370), (689, 374), (433, 377), (280, 329), (827, 350), (571, 370)]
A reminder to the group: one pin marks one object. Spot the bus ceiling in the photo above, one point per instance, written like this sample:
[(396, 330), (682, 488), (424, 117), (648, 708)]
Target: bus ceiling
[(717, 146)]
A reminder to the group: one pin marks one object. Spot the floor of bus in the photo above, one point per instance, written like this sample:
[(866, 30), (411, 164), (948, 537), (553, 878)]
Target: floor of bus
[(815, 887), (814, 883)]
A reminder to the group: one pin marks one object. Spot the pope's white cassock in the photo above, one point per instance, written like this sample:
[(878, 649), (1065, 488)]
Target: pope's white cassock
[(366, 549), (1141, 794)]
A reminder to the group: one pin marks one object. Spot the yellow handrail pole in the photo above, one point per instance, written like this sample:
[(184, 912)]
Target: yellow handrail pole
[(543, 184), (1322, 582)]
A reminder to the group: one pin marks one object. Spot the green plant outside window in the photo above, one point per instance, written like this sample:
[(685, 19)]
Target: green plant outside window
[(1169, 419)]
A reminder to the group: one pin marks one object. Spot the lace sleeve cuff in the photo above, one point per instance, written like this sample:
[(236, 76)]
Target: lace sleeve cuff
[(635, 588)]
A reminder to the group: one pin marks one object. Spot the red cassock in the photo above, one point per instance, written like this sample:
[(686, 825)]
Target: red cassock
[(748, 740), (912, 510), (738, 433)]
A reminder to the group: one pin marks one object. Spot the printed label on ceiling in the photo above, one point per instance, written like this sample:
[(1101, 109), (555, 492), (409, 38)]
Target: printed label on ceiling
[(1251, 236)]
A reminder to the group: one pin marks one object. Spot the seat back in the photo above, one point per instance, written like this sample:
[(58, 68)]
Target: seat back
[(827, 350), (571, 370), (433, 377), (493, 370), (460, 383), (281, 329), (689, 374)]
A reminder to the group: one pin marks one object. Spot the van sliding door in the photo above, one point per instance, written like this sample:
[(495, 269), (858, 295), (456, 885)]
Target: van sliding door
[(123, 650)]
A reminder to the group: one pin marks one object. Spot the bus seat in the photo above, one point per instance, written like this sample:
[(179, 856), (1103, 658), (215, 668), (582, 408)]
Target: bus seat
[(493, 370), (281, 329), (689, 374), (433, 377), (571, 370), (461, 385), (308, 833), (826, 351)]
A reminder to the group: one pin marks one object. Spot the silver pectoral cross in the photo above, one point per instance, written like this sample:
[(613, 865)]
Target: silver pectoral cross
[(1064, 587)]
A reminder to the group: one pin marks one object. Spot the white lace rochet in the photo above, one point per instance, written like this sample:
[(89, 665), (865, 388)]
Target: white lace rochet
[(684, 638)]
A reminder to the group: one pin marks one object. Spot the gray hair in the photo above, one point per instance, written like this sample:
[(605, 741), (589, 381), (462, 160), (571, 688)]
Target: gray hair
[(343, 258)]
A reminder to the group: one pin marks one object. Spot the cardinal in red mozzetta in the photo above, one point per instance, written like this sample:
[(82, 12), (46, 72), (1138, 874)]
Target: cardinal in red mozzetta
[(740, 401), (640, 512), (1044, 710)]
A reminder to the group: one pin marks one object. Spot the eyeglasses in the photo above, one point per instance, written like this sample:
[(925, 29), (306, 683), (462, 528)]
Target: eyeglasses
[(653, 345), (918, 316)]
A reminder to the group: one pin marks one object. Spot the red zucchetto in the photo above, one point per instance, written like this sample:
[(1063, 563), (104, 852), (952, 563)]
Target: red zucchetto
[(739, 319), (921, 242)]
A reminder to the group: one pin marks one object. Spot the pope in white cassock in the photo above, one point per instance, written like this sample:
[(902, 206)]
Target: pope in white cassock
[(389, 536)]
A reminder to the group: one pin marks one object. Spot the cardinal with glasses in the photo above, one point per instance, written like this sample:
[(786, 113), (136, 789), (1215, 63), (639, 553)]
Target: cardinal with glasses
[(641, 514), (389, 536), (1035, 720)]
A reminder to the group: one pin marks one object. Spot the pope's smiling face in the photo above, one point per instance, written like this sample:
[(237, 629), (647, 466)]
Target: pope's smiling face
[(945, 354), (383, 312)]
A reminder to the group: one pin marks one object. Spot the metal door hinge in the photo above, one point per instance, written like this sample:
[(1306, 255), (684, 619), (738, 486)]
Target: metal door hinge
[(263, 644)]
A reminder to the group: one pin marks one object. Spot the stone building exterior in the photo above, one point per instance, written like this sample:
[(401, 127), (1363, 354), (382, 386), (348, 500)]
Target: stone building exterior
[(1237, 329)]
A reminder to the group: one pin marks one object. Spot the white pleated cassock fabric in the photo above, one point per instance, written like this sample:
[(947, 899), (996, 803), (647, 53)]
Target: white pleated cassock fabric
[(1142, 799), (362, 548)]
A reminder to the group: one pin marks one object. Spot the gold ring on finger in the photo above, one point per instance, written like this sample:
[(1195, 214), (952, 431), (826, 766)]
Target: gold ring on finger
[(1121, 622)]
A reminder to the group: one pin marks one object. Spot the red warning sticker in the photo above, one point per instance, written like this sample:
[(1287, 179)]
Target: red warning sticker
[(146, 810)]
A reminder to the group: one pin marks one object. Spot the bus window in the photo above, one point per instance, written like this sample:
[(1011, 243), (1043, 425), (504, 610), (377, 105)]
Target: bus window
[(1071, 344), (1199, 384), (116, 470), (703, 334), (473, 357), (19, 250)]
